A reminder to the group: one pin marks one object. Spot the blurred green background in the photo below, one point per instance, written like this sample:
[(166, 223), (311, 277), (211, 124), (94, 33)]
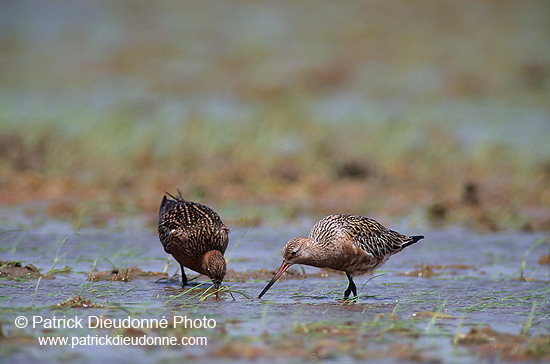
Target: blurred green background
[(438, 110)]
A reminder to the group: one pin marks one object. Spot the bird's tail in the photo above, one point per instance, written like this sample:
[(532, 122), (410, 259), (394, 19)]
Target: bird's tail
[(414, 240), (167, 204)]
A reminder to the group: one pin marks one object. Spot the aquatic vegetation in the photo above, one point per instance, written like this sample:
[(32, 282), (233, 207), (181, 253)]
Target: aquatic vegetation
[(78, 302), (507, 299), (407, 113), (487, 342), (542, 241), (247, 198)]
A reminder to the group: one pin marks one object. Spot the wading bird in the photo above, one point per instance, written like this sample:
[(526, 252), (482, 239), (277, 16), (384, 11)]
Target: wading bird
[(195, 235), (353, 244)]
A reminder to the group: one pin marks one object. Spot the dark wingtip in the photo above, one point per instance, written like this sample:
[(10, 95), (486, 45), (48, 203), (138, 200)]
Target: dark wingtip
[(162, 208), (172, 196), (179, 198)]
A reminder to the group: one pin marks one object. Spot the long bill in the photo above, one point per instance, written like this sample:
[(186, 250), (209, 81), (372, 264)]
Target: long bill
[(284, 266)]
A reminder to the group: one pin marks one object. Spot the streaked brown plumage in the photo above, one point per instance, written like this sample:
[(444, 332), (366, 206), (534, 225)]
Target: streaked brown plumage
[(195, 235), (354, 244)]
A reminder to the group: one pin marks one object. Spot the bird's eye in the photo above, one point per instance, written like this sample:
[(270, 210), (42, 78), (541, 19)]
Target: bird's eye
[(294, 252)]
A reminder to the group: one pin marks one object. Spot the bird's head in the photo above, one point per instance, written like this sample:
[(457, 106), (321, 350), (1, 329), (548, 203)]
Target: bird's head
[(215, 267), (295, 252)]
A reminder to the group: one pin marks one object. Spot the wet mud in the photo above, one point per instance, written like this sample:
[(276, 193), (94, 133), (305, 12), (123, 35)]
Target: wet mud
[(123, 275), (15, 269), (452, 297)]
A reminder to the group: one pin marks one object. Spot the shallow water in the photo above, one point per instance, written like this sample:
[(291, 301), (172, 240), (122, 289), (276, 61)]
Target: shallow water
[(300, 315)]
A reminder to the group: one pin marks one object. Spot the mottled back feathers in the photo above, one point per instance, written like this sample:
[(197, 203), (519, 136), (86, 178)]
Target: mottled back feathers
[(367, 234), (199, 226)]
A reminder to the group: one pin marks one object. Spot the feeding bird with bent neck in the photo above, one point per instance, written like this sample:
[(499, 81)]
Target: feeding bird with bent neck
[(195, 236), (353, 244)]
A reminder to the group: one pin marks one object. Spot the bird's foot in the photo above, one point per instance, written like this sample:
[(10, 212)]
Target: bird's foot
[(348, 299)]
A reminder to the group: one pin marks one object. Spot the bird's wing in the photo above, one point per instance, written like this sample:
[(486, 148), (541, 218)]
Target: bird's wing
[(374, 238), (223, 236), (169, 236)]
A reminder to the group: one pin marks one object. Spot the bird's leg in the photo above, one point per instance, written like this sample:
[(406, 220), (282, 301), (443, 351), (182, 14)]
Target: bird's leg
[(183, 277), (351, 287)]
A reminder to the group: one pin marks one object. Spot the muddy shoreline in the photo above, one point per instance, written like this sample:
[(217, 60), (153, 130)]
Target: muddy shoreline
[(447, 298)]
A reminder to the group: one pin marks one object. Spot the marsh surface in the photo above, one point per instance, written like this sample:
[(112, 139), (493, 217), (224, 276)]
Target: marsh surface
[(419, 306), (267, 116)]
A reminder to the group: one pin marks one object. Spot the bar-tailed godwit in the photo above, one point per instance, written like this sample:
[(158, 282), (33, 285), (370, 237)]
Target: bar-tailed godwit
[(354, 244), (195, 235)]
